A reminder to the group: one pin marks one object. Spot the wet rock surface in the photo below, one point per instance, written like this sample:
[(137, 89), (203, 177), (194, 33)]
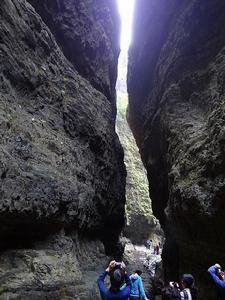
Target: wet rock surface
[(61, 164), (176, 111)]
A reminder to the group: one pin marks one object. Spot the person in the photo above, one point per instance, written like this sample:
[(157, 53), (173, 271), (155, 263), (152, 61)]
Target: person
[(157, 249), (188, 289), (148, 244), (171, 292), (117, 273), (214, 272), (222, 275), (137, 289)]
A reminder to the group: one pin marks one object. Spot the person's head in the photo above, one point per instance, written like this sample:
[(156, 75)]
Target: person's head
[(187, 281), (117, 276), (139, 272), (220, 273)]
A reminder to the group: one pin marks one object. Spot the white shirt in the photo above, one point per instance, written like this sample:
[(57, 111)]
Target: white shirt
[(184, 297)]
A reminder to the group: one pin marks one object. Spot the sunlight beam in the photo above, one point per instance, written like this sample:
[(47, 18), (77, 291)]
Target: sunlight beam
[(126, 13)]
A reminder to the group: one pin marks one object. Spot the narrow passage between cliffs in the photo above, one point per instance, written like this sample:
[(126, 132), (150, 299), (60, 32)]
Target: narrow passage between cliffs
[(142, 233)]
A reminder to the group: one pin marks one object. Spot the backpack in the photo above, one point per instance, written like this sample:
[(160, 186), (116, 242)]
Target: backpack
[(170, 293)]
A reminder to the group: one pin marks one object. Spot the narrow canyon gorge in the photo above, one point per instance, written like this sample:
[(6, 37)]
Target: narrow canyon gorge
[(62, 170)]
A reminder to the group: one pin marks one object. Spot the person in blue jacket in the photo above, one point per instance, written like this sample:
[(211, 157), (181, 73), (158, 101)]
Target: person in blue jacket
[(137, 289), (117, 273), (214, 272)]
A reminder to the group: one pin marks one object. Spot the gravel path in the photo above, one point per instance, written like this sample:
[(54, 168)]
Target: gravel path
[(139, 257)]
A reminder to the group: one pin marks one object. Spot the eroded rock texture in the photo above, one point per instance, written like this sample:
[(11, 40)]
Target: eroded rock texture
[(61, 164), (176, 90), (61, 267), (141, 224), (87, 32)]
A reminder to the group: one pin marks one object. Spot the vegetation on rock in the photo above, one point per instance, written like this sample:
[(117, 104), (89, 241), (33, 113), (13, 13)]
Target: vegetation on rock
[(141, 224)]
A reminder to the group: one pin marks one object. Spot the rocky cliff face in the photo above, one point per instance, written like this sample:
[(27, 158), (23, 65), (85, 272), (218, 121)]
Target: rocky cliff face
[(61, 165), (87, 32), (141, 223), (176, 93)]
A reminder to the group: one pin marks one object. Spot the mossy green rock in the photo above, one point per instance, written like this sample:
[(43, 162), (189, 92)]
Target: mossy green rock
[(141, 223)]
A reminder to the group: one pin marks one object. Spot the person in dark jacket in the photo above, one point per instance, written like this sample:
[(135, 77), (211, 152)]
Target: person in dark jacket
[(219, 282), (117, 273), (188, 287)]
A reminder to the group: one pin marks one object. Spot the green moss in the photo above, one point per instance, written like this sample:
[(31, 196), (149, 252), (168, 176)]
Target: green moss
[(12, 118), (66, 78), (63, 292), (137, 194), (122, 103), (67, 99), (3, 289)]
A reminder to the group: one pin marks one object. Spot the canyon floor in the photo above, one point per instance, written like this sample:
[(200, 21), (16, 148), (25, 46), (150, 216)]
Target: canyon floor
[(138, 257)]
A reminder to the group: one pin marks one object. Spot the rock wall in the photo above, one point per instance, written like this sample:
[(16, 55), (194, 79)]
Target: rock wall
[(141, 224), (87, 32), (61, 164), (176, 111), (61, 267)]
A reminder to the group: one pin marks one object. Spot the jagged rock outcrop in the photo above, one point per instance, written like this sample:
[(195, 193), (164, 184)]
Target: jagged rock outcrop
[(61, 165), (176, 111), (87, 32)]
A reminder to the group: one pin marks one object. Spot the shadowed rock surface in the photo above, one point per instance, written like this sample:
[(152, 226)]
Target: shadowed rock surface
[(61, 164), (176, 111), (87, 32)]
